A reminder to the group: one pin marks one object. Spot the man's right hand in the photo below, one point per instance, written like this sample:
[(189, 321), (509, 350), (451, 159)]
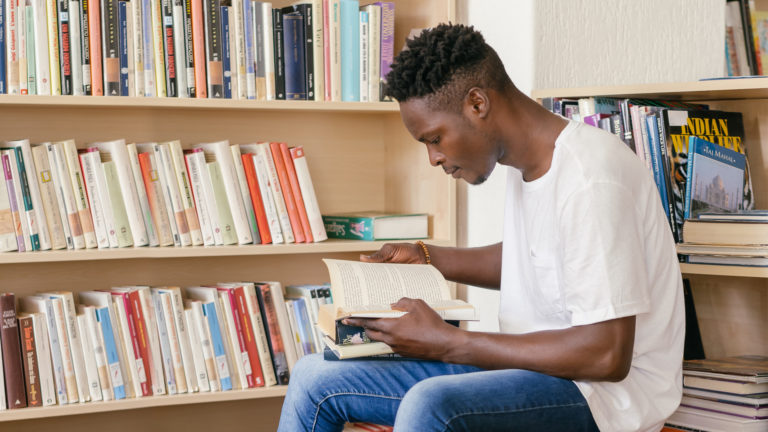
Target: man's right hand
[(404, 253)]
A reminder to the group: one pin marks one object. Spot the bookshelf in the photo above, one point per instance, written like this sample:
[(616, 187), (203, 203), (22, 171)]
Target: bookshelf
[(731, 301), (360, 156)]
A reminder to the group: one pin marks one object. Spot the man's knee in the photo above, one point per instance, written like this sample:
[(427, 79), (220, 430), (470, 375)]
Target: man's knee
[(428, 405)]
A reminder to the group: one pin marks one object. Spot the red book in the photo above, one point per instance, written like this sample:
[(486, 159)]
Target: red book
[(241, 348), (248, 334), (9, 333), (258, 204), (285, 185), (198, 49), (302, 209), (94, 37), (143, 373), (29, 357), (142, 335)]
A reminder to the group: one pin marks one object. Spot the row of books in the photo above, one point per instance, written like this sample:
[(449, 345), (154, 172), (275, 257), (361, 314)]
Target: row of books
[(63, 348), (113, 194), (727, 239), (663, 134), (727, 394), (240, 49)]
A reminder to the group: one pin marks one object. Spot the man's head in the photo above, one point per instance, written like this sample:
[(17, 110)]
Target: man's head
[(445, 81)]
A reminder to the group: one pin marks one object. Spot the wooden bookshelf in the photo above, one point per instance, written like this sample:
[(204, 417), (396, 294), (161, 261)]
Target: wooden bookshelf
[(731, 301), (360, 157)]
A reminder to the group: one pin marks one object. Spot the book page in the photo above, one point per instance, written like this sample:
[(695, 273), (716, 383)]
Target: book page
[(356, 283)]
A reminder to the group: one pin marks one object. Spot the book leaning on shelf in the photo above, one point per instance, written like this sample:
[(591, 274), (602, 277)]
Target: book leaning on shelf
[(372, 225), (354, 285), (311, 50)]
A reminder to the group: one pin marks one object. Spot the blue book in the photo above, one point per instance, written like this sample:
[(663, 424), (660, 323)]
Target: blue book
[(3, 90), (295, 66), (165, 343), (148, 46), (715, 180), (115, 373), (350, 50), (304, 325), (209, 310), (656, 160), (122, 17), (250, 53), (227, 52)]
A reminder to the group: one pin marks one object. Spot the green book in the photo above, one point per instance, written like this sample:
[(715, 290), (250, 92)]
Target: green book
[(124, 235), (227, 224), (372, 226)]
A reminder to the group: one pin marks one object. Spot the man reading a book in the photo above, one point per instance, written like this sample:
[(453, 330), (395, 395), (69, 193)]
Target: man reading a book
[(591, 312)]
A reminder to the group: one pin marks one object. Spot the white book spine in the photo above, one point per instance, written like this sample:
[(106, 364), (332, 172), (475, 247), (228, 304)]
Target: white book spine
[(168, 177), (318, 53), (96, 337), (163, 197), (232, 188), (8, 237), (248, 204), (89, 357), (181, 52), (11, 49), (284, 323), (156, 360), (260, 163), (174, 342), (204, 333), (78, 189), (75, 48), (183, 334), (374, 58), (308, 193), (334, 34), (240, 380), (76, 344), (269, 46), (185, 191), (68, 364), (136, 49), (277, 194), (119, 153), (102, 190), (289, 306), (165, 345), (147, 48), (210, 199), (40, 26), (21, 46), (238, 59), (260, 335), (196, 182), (90, 165), (44, 180), (64, 188), (364, 56), (141, 191), (201, 374), (44, 362), (133, 383), (34, 191)]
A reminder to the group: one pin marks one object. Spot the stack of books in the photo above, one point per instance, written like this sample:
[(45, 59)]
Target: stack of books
[(728, 394), (330, 50), (727, 239), (113, 194), (136, 341)]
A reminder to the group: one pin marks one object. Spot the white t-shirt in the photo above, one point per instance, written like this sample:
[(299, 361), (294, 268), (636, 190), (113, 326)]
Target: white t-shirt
[(588, 242)]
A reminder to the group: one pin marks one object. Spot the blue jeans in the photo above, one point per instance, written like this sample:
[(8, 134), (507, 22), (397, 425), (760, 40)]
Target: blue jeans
[(423, 396)]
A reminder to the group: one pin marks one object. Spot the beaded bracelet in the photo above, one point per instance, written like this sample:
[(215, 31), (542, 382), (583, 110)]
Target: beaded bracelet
[(427, 258)]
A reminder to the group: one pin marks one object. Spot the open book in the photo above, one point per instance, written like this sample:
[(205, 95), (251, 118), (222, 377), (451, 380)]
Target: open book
[(367, 290)]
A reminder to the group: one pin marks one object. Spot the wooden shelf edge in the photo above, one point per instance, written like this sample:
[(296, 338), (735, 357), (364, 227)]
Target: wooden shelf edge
[(188, 103), (138, 403), (723, 270), (751, 88), (328, 246)]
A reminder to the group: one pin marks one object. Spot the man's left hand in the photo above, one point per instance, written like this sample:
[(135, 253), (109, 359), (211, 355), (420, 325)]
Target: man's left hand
[(420, 333)]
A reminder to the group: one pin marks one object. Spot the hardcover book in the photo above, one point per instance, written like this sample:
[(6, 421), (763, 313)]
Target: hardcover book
[(372, 226), (11, 352), (715, 180)]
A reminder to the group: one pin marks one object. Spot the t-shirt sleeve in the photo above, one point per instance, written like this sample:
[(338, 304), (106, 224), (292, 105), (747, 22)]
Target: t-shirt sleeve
[(603, 266)]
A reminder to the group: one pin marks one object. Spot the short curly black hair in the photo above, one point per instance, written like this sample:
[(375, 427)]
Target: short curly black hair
[(442, 64)]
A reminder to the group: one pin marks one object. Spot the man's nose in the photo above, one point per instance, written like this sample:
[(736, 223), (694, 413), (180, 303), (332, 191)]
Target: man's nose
[(435, 157)]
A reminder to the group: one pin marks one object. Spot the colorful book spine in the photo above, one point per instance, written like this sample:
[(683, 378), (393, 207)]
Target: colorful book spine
[(240, 309), (222, 366), (122, 43), (85, 47), (95, 41), (256, 200), (287, 192), (198, 48), (387, 51), (147, 42), (249, 48), (110, 345), (189, 55), (296, 191), (29, 211), (3, 66), (65, 48), (278, 53), (350, 50), (294, 46), (214, 49), (226, 52), (29, 358), (180, 51), (11, 353), (13, 201), (169, 49), (308, 193), (111, 46), (268, 310), (12, 46)]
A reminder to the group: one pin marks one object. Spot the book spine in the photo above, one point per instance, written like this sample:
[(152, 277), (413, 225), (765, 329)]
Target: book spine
[(89, 358), (111, 348), (51, 7), (250, 304), (168, 177), (226, 52), (94, 333), (29, 43), (273, 221), (246, 334), (296, 192), (101, 191), (374, 57), (222, 364), (335, 49), (90, 164), (3, 88), (387, 50), (136, 47), (157, 170), (195, 167), (244, 194), (44, 361), (12, 47), (258, 206), (179, 48), (363, 56), (182, 330), (29, 358), (204, 333), (37, 48), (269, 41), (214, 49), (294, 45), (279, 51), (241, 366), (75, 343), (182, 179), (666, 160), (65, 345), (13, 203), (158, 37), (148, 48), (259, 48), (268, 310), (198, 48), (308, 193), (249, 50), (234, 197), (95, 40), (201, 374), (124, 44), (224, 215), (85, 47), (137, 326), (189, 55), (165, 343), (285, 186), (122, 226), (284, 324), (692, 145), (111, 47), (80, 195), (350, 47), (169, 48), (75, 39), (277, 194), (28, 174), (326, 17), (141, 193), (42, 172), (56, 358), (207, 199), (307, 14), (120, 156), (30, 215), (174, 342), (21, 46), (11, 353), (151, 331)]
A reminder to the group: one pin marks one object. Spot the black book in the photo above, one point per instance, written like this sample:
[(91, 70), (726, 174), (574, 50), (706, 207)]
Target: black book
[(110, 44), (171, 82), (279, 53), (65, 47), (85, 46), (188, 47), (305, 9), (214, 49)]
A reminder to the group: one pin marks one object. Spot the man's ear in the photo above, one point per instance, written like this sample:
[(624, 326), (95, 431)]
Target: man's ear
[(476, 103)]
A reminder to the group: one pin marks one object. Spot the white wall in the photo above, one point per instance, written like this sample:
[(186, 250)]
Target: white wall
[(573, 43)]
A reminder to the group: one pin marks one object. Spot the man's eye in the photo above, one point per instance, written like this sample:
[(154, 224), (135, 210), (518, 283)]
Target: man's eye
[(435, 141)]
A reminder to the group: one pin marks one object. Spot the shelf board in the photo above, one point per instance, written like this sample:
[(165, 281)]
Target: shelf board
[(745, 88), (328, 246), (192, 103), (144, 402), (723, 270)]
